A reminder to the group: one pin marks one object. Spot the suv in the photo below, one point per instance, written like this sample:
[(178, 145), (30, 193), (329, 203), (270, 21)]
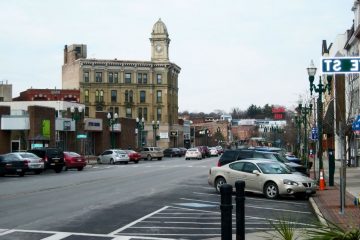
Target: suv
[(53, 157), (148, 153), (239, 154), (205, 152)]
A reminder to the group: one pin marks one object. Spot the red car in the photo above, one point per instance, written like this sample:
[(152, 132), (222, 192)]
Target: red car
[(133, 156), (74, 160)]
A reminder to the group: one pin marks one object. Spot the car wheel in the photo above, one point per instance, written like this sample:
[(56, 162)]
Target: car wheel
[(148, 157), (126, 162), (98, 161), (186, 158), (271, 190), (80, 168), (21, 174), (37, 172), (159, 158), (112, 161), (218, 182)]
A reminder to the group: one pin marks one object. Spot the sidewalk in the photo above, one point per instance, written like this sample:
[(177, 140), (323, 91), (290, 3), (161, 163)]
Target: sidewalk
[(328, 200)]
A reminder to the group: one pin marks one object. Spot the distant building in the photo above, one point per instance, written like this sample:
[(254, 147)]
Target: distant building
[(143, 89), (5, 91), (68, 95)]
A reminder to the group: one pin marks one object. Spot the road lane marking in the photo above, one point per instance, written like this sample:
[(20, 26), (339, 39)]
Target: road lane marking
[(137, 221), (277, 209), (57, 236)]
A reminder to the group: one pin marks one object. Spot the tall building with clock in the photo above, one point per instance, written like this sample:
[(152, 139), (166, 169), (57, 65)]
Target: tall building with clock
[(132, 89)]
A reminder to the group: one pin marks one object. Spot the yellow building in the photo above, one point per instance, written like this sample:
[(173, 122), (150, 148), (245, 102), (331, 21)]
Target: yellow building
[(132, 89)]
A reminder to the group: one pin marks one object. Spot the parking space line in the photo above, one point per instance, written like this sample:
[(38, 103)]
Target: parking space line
[(58, 236), (278, 209), (137, 221)]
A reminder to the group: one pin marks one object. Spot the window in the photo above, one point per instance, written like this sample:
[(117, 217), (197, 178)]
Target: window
[(139, 77), (249, 167), (98, 77), (86, 77), (128, 113), (126, 96), (145, 114), (113, 96), (101, 96), (158, 78), (142, 96), (97, 96), (111, 77), (86, 111), (158, 113), (159, 96), (131, 96), (116, 77), (127, 77), (116, 110), (111, 109), (237, 166), (86, 93), (144, 78), (140, 113)]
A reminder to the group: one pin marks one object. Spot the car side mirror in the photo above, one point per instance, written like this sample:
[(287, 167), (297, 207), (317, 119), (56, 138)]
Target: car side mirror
[(256, 172)]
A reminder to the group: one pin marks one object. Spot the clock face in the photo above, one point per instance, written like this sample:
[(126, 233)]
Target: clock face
[(158, 48)]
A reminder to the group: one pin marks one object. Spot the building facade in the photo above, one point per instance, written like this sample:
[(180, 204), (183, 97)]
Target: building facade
[(132, 89), (68, 95), (5, 91)]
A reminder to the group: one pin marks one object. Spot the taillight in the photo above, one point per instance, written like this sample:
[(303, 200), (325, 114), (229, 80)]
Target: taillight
[(45, 159), (218, 164), (26, 163)]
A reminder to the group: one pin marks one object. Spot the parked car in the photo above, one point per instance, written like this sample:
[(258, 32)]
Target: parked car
[(9, 165), (53, 157), (205, 152), (238, 154), (74, 160), (193, 153), (270, 178), (133, 156), (149, 153), (293, 158), (172, 152), (214, 151), (183, 151), (35, 164), (113, 156), (220, 149)]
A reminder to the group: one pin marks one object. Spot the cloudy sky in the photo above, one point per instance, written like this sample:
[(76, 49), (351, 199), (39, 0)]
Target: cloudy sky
[(233, 53)]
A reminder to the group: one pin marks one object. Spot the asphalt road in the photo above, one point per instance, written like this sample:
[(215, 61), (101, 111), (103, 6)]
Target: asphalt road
[(151, 200)]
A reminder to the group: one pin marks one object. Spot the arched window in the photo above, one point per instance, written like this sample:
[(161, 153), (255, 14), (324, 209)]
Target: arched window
[(126, 96), (131, 96), (86, 93), (101, 95), (97, 96)]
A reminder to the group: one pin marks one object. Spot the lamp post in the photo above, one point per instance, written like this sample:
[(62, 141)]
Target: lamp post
[(320, 89), (297, 120), (76, 114), (229, 127), (155, 126), (112, 118), (305, 111), (140, 128)]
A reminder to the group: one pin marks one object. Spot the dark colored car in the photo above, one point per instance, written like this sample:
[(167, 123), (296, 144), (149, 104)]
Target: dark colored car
[(53, 157), (172, 152), (205, 152), (183, 151), (74, 160), (133, 156), (238, 154), (12, 165)]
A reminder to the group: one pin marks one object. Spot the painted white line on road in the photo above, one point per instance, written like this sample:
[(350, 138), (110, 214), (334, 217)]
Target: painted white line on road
[(137, 221), (57, 236), (173, 234), (185, 217), (7, 232), (277, 201), (278, 209), (209, 194), (177, 213), (191, 199), (196, 210)]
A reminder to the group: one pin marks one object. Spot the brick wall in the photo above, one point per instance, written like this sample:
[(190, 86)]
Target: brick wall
[(5, 136), (36, 115)]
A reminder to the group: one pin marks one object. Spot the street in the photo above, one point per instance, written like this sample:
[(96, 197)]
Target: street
[(152, 199)]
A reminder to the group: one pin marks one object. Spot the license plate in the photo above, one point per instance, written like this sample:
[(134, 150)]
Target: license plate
[(308, 191), (56, 160), (18, 170)]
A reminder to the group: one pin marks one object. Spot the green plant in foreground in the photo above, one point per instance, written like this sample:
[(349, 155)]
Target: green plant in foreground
[(283, 229)]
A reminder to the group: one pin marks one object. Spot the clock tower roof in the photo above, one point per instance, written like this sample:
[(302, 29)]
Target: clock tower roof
[(160, 28)]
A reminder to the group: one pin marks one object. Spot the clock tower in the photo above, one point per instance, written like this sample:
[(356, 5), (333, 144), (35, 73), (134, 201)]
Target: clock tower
[(159, 42)]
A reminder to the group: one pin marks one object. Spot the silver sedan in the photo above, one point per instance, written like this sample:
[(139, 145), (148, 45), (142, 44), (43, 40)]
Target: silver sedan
[(35, 164), (263, 176)]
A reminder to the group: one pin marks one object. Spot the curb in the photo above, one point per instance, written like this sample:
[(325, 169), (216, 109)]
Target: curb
[(318, 212)]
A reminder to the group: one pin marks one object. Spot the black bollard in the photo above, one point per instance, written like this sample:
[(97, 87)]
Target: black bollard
[(240, 210), (226, 211)]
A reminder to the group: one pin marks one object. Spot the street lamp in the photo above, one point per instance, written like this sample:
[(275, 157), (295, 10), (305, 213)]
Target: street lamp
[(155, 126), (320, 89), (140, 128), (76, 115), (305, 111), (112, 121), (229, 127)]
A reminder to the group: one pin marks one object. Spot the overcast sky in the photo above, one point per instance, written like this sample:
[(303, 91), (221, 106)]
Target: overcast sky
[(232, 53)]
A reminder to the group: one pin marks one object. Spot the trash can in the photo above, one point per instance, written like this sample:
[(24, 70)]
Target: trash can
[(331, 156)]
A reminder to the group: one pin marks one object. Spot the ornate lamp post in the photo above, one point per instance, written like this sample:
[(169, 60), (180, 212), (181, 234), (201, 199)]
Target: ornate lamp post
[(112, 121), (305, 111), (320, 89), (140, 128), (155, 126), (297, 120), (76, 114)]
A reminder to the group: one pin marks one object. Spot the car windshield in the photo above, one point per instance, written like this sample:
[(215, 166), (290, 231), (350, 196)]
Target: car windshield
[(281, 158), (273, 168)]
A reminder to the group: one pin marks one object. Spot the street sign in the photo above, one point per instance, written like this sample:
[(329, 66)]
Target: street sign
[(174, 133), (314, 133), (340, 65), (356, 124), (81, 136)]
